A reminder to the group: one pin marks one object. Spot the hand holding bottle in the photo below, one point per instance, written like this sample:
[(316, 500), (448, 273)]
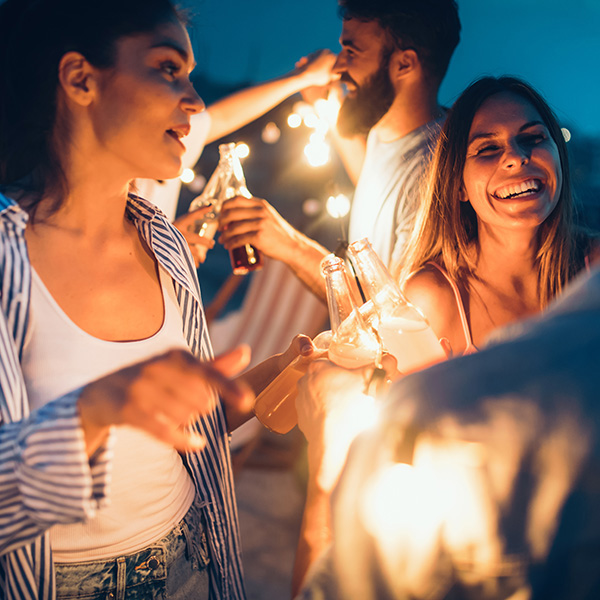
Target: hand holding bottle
[(226, 182), (275, 406)]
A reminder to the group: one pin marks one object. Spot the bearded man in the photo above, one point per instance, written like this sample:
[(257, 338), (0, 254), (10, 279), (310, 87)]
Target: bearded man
[(394, 56)]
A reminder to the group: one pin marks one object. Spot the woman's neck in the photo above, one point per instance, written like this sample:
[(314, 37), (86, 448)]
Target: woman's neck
[(95, 203), (507, 259)]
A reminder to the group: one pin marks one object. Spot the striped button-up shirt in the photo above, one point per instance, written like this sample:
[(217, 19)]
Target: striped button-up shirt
[(45, 476)]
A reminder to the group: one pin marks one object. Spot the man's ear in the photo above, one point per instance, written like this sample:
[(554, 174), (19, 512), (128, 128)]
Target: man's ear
[(403, 62), (77, 78)]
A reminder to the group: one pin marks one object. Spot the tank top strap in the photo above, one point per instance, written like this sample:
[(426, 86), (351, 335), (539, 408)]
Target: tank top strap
[(470, 347)]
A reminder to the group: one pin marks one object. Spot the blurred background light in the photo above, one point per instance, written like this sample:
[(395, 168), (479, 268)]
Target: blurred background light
[(338, 206)]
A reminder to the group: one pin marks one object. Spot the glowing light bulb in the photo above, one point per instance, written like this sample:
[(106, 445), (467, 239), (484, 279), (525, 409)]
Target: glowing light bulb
[(187, 176), (338, 206), (242, 150), (294, 120), (311, 120), (317, 152), (328, 109)]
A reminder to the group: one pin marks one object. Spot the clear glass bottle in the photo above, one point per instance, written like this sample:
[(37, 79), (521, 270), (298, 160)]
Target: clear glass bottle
[(404, 330), (227, 181), (354, 343), (350, 343)]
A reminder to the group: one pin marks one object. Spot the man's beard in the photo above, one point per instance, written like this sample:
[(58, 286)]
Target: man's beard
[(371, 101)]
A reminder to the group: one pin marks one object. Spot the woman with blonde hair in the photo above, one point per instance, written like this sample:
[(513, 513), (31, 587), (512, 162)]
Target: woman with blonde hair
[(495, 239)]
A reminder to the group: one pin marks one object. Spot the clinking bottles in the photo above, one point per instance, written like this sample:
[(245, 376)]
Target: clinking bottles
[(350, 343), (404, 330), (227, 181), (354, 344)]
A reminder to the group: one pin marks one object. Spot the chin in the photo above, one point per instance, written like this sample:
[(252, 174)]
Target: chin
[(165, 170)]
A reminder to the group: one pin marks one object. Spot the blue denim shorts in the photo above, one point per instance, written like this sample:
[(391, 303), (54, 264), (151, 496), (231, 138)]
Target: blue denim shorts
[(174, 568)]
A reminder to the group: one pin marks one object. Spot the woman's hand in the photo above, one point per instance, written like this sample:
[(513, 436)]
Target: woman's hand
[(163, 394)]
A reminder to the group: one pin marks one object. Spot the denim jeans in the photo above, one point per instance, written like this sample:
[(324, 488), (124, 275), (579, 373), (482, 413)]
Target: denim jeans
[(173, 568)]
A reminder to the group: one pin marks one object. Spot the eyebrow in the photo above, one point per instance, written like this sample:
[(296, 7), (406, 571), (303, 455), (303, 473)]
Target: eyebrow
[(478, 136), (176, 47)]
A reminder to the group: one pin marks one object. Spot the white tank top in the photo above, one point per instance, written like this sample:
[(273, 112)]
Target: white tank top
[(150, 489)]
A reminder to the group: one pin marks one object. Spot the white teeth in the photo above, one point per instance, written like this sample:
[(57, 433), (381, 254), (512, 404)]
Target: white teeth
[(517, 189)]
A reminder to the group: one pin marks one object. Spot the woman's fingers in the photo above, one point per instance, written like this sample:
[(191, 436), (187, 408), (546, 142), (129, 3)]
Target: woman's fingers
[(162, 394)]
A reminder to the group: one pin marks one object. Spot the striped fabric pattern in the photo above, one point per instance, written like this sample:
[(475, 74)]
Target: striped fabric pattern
[(45, 476)]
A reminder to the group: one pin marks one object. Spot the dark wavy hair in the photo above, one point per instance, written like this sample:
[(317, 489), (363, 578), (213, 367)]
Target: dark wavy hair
[(446, 228), (34, 36), (430, 27)]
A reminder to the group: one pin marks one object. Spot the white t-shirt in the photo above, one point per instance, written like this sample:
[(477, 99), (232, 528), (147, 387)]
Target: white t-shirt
[(151, 490), (387, 192)]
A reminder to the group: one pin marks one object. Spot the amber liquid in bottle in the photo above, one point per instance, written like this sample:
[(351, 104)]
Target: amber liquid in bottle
[(244, 259)]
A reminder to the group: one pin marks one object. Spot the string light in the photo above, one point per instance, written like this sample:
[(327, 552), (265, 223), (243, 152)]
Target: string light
[(338, 206), (294, 120), (242, 150), (187, 176)]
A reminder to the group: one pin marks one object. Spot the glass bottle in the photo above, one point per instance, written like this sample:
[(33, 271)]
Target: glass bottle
[(275, 406), (353, 344), (403, 329), (227, 181), (350, 343)]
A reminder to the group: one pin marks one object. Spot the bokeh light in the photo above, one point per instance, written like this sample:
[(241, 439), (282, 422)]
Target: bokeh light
[(338, 206), (294, 120), (242, 150), (270, 133), (187, 176), (317, 152)]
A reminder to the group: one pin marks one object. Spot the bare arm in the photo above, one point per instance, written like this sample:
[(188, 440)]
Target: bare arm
[(240, 108), (431, 292), (254, 221), (258, 378)]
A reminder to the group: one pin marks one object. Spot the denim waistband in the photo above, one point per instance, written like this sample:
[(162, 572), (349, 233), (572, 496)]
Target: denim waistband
[(141, 574)]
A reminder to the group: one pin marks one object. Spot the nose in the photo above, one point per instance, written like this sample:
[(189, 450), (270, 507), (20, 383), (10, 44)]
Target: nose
[(192, 103), (515, 156)]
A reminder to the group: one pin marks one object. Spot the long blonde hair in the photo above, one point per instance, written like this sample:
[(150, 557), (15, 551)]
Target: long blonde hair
[(445, 228)]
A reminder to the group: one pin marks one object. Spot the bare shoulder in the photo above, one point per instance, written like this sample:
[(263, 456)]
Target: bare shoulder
[(430, 291)]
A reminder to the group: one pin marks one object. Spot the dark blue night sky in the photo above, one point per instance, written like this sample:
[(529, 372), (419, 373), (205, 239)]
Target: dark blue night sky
[(554, 44)]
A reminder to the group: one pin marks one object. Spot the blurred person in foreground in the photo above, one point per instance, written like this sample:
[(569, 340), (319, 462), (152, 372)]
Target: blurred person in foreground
[(115, 473), (394, 57), (494, 244), (479, 479)]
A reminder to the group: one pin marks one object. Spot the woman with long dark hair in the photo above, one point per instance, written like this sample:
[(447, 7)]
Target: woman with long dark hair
[(115, 475)]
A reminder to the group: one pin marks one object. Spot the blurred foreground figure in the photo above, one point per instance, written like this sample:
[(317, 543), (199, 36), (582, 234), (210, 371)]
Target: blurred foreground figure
[(480, 479)]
